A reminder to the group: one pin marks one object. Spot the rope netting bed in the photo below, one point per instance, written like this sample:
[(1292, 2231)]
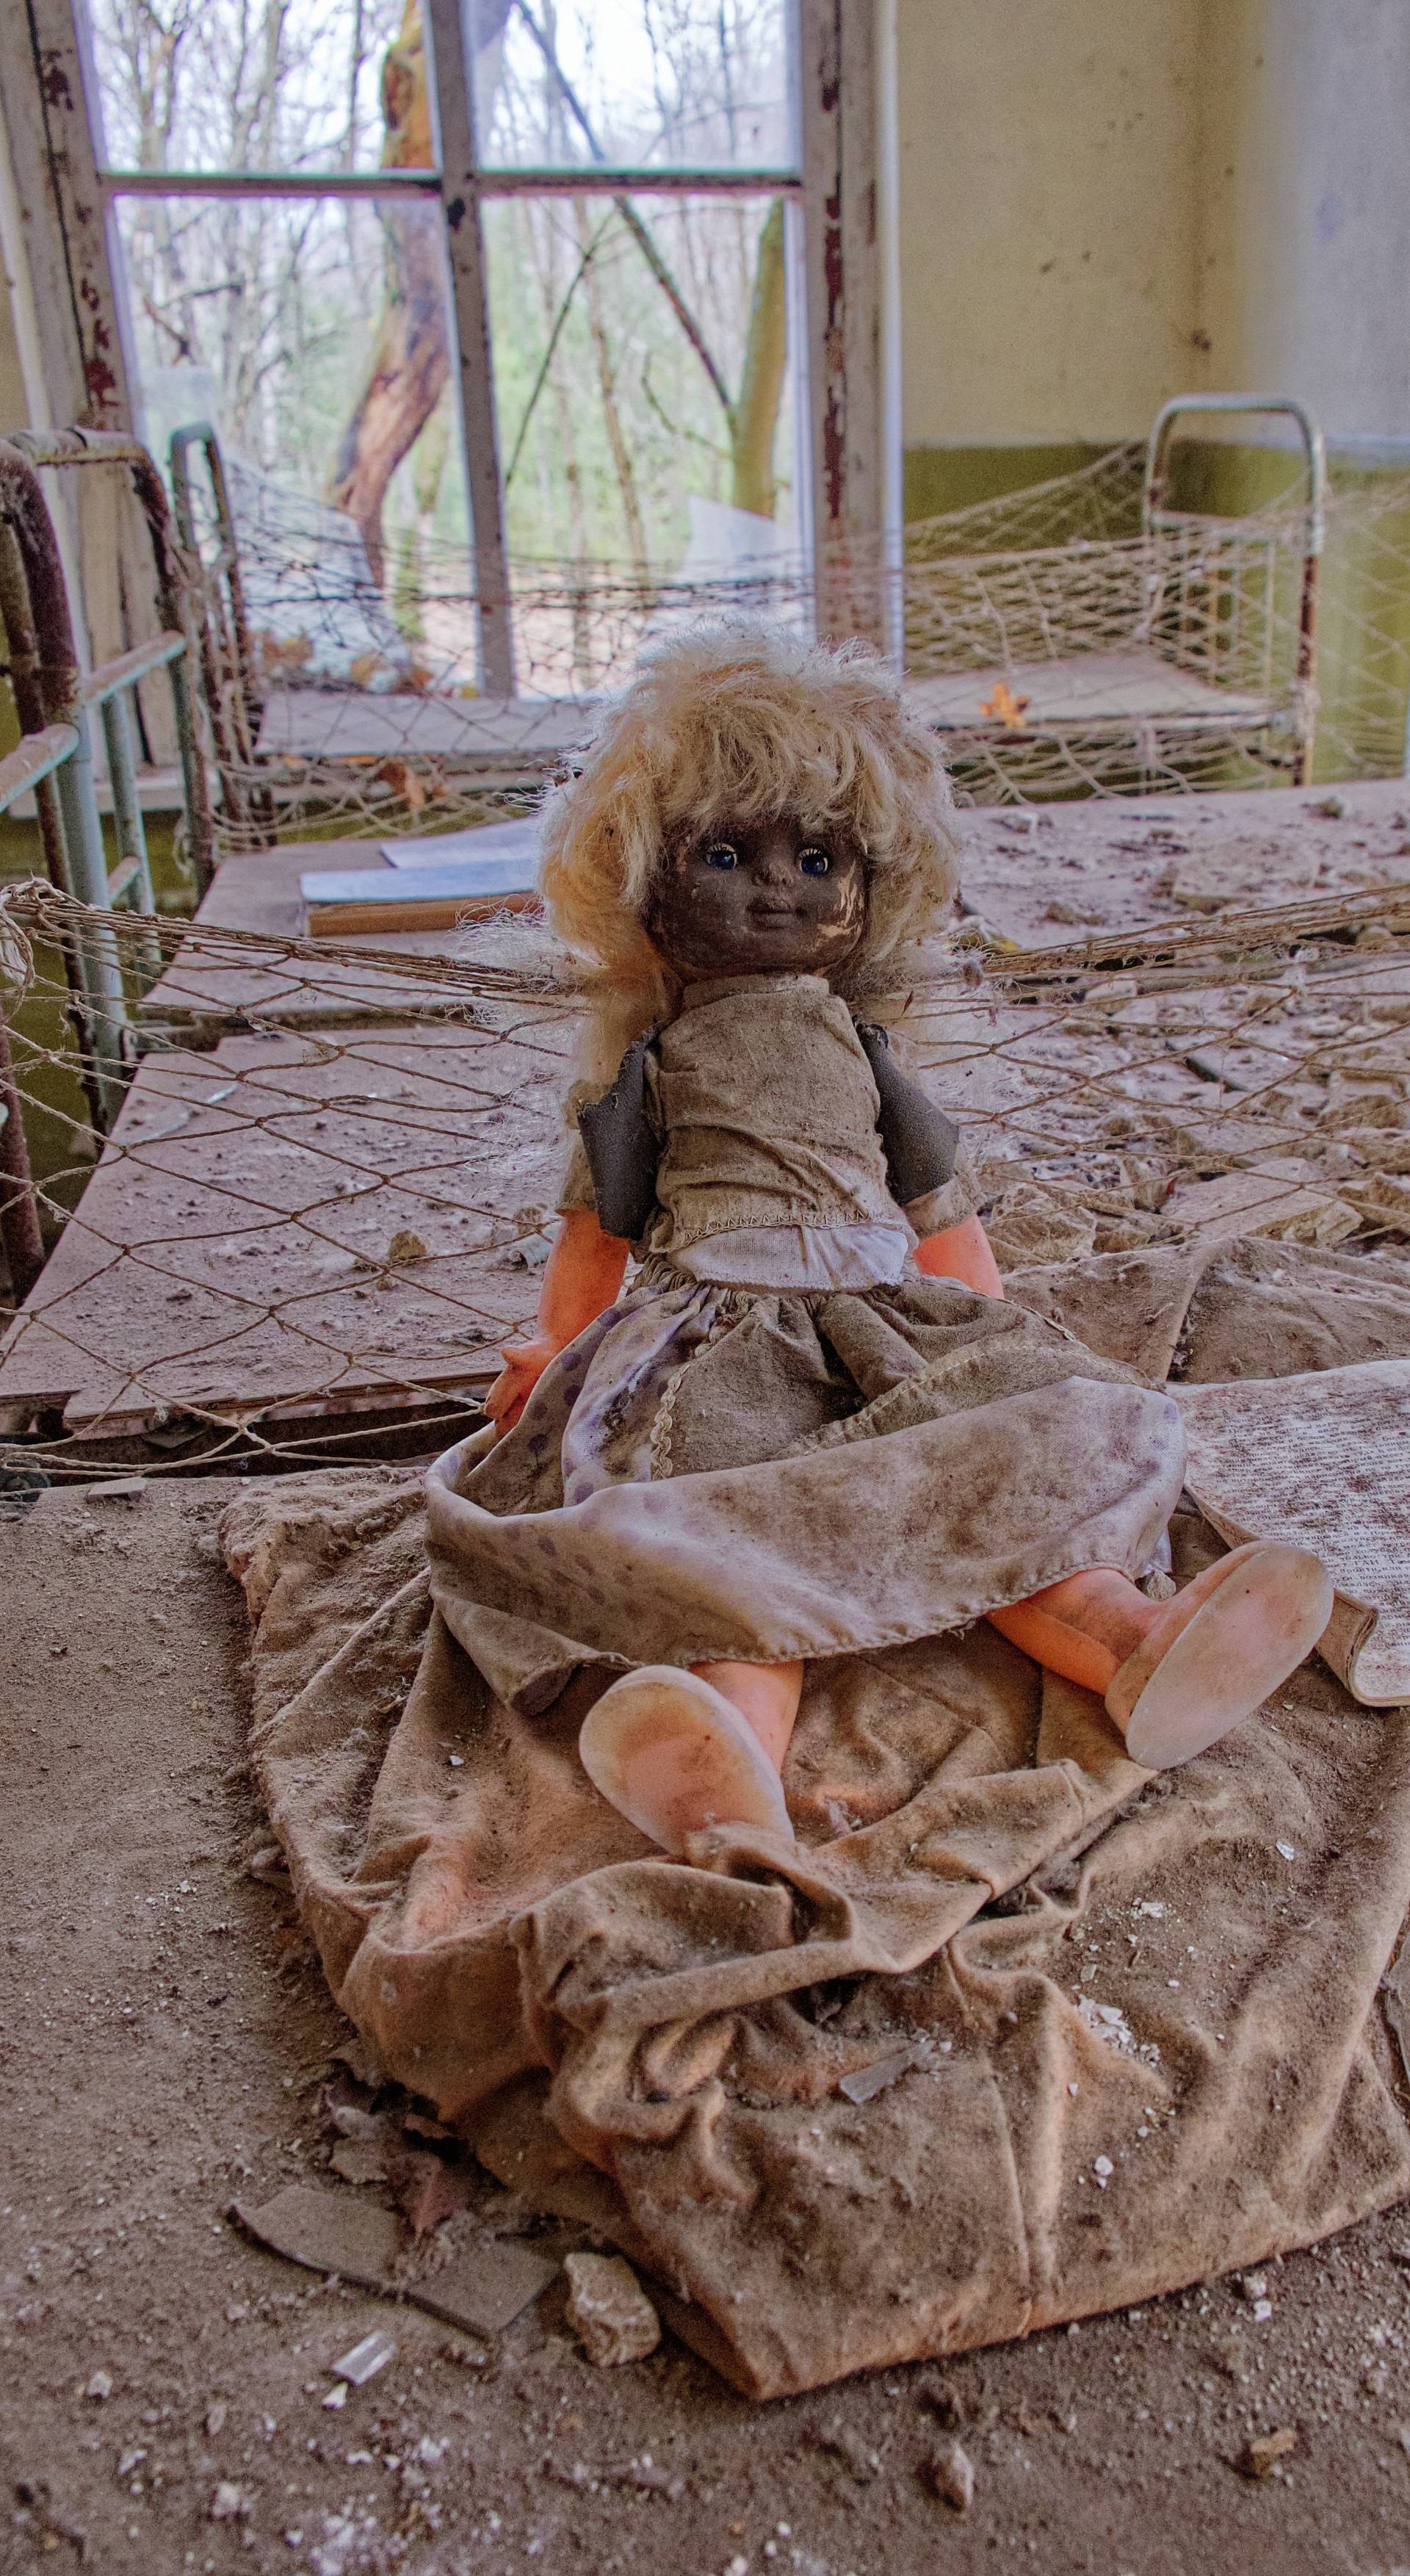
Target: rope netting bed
[(1061, 645), (327, 1195)]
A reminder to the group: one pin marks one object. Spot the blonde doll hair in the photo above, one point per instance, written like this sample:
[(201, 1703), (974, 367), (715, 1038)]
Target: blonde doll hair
[(744, 722)]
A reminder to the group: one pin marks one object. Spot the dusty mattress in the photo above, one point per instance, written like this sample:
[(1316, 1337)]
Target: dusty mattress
[(1110, 2033)]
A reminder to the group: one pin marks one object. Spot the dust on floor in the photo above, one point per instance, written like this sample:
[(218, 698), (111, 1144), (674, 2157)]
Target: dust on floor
[(163, 2380)]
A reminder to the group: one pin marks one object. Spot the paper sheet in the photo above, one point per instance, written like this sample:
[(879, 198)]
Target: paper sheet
[(1324, 1460)]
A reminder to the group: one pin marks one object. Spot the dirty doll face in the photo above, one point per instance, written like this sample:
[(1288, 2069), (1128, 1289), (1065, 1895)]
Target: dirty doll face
[(760, 898)]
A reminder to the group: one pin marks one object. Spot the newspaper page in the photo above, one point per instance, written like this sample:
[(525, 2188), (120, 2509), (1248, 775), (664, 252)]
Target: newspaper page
[(1323, 1460)]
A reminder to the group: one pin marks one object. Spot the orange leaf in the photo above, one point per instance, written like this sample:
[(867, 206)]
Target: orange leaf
[(1005, 708)]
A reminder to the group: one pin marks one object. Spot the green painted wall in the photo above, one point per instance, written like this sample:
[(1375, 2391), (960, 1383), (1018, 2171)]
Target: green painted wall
[(935, 479)]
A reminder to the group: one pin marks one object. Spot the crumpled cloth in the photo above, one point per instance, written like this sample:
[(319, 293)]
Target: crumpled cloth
[(705, 1475), (1128, 2025)]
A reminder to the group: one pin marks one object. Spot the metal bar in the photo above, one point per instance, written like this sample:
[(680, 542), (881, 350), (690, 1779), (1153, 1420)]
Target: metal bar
[(19, 1211), (36, 757), (223, 635), (603, 178), (44, 676), (201, 434), (594, 178), (106, 447), (88, 871), (128, 827), (270, 183), (1314, 526), (109, 678), (837, 92), (443, 25)]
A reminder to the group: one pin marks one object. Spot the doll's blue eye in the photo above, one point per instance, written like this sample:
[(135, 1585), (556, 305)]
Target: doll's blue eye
[(721, 854), (814, 863)]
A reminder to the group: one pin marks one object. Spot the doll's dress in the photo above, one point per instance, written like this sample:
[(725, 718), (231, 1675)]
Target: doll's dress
[(783, 1441)]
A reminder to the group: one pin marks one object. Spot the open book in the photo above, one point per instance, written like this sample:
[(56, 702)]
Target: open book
[(1322, 1459)]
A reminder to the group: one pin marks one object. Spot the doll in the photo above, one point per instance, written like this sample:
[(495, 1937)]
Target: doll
[(811, 1425)]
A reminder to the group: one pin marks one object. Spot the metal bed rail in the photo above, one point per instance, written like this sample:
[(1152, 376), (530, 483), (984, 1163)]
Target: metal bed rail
[(1159, 520), (55, 703)]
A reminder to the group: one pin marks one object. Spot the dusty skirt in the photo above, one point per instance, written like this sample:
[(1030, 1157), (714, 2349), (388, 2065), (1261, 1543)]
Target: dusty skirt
[(709, 1473)]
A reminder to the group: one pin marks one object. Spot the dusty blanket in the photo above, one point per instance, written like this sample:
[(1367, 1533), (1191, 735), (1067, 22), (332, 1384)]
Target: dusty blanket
[(1130, 2023)]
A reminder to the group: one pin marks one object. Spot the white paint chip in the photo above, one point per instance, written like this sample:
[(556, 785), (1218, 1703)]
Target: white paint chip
[(366, 2359)]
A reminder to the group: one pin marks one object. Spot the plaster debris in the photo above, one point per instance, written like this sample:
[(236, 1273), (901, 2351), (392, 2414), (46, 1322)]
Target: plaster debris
[(215, 2418), (268, 1866), (609, 2310), (229, 2503), (328, 2231), (99, 2386), (1262, 2452), (366, 2358), (491, 2285), (949, 2473), (358, 2160), (866, 2081), (843, 2442)]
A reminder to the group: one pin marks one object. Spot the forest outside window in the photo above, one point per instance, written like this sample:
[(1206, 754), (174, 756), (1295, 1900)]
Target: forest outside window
[(623, 429)]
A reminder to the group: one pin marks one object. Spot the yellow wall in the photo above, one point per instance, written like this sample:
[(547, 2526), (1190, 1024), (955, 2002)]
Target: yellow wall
[(1104, 202), (1049, 233)]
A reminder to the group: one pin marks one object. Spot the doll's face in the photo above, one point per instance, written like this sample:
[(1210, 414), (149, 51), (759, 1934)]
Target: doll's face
[(761, 898)]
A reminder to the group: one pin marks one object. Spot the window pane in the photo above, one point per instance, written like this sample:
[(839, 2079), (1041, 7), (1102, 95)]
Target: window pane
[(690, 84), (265, 316), (644, 382), (277, 85)]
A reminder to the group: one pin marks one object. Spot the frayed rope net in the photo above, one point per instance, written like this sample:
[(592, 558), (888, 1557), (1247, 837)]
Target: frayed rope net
[(326, 1195), (1059, 649)]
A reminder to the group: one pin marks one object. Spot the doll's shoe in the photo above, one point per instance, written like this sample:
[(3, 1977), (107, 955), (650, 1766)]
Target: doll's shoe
[(1217, 1650), (673, 1755)]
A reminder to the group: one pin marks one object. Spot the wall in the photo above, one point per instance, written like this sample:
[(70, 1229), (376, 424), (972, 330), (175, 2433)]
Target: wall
[(1049, 231), (1305, 269), (1103, 202)]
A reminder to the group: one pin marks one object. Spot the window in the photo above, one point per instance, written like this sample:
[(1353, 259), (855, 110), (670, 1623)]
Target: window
[(523, 276)]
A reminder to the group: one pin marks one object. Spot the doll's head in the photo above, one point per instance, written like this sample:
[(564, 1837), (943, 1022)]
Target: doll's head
[(751, 804)]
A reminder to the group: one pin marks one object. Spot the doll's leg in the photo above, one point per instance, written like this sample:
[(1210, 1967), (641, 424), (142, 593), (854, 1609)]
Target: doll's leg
[(766, 1696), (677, 1750), (1177, 1675)]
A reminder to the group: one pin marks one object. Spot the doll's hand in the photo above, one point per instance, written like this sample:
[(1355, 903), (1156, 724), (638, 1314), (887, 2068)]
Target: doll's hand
[(524, 1365)]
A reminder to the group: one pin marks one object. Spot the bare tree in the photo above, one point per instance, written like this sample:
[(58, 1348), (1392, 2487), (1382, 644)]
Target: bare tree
[(410, 362)]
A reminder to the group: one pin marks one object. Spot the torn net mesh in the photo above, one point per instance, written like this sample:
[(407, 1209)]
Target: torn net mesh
[(328, 1193), (1059, 648)]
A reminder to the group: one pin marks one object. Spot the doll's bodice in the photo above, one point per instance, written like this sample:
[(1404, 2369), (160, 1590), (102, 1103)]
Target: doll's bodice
[(767, 1111), (768, 1160)]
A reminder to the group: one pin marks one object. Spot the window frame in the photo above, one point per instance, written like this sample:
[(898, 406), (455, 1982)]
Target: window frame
[(66, 200)]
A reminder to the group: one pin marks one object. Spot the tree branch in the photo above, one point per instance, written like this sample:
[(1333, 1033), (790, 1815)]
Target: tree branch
[(638, 230), (554, 336)]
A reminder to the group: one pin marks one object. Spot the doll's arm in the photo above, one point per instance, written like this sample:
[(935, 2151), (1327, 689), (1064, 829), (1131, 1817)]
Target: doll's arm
[(962, 1252), (583, 1274), (922, 1151)]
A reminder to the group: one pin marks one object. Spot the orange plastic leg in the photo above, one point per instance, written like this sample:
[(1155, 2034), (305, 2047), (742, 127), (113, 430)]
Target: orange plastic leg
[(766, 1696), (1083, 1627)]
